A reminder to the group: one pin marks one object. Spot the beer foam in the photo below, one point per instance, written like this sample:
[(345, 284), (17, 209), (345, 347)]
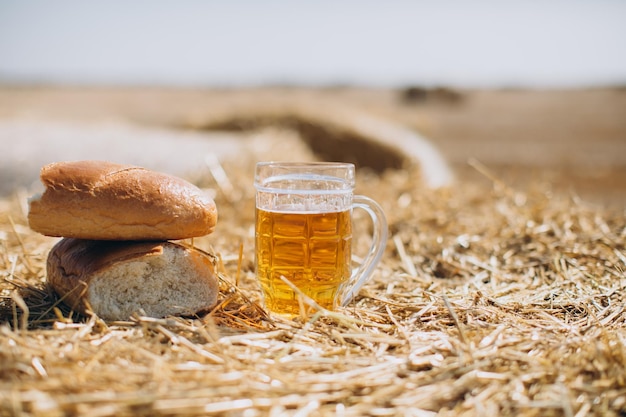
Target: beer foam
[(304, 184), (300, 208), (289, 204)]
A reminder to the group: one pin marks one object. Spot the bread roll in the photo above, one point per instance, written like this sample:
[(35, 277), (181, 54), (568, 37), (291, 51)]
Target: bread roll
[(106, 201), (117, 279)]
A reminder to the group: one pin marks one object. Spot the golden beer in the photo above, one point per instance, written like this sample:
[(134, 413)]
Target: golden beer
[(310, 249), (304, 235)]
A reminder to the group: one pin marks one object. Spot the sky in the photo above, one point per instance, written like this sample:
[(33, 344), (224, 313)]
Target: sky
[(379, 43)]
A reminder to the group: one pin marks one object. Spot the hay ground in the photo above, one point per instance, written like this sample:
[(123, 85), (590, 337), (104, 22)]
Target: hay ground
[(491, 299)]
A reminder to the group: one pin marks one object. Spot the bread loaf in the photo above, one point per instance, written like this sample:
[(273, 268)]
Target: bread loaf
[(105, 201), (117, 279)]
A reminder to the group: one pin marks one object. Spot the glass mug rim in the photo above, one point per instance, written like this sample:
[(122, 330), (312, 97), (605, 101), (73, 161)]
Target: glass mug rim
[(313, 164), (341, 174)]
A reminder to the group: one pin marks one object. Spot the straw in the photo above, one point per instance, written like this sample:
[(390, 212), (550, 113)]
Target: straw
[(489, 301)]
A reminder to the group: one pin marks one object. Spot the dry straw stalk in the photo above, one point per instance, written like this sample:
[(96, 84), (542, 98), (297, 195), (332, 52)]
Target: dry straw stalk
[(489, 301)]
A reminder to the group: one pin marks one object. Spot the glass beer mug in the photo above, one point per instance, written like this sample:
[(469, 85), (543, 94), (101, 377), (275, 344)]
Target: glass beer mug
[(303, 234)]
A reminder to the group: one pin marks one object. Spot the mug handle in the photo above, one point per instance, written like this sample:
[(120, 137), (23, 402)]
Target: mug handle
[(379, 240)]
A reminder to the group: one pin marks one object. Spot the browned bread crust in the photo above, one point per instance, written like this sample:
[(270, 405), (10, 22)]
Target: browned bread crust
[(107, 201), (116, 279)]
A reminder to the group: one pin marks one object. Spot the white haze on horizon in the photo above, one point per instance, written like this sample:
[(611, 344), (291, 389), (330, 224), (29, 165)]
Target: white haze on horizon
[(191, 43)]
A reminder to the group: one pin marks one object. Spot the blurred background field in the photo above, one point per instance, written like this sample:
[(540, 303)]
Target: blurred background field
[(571, 140)]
